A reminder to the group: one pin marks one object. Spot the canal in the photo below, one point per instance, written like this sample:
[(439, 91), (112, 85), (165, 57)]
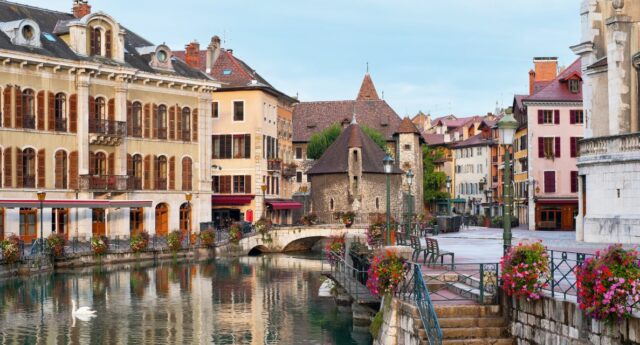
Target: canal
[(271, 299)]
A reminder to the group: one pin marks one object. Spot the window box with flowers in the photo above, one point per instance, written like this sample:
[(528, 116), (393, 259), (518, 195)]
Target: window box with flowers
[(386, 273), (99, 245), (139, 242), (525, 269), (235, 233), (56, 242), (208, 238)]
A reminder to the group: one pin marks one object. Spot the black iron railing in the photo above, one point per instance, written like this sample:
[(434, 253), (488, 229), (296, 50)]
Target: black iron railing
[(108, 127), (105, 182), (29, 181), (61, 125), (29, 121)]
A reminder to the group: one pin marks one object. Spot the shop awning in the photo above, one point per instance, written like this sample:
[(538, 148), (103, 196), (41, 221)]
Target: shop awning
[(73, 203), (231, 200), (284, 204), (556, 201)]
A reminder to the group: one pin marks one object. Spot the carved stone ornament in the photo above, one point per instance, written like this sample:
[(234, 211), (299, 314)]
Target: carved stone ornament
[(618, 5)]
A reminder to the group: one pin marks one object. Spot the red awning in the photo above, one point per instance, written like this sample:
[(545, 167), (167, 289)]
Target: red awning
[(284, 204), (73, 203), (556, 201), (231, 200)]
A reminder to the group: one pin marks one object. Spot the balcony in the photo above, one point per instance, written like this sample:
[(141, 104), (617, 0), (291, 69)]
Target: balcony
[(162, 133), (161, 184), (61, 125), (29, 181), (105, 183), (289, 170), (185, 135), (274, 165), (615, 145), (107, 132), (28, 121), (135, 183), (136, 132)]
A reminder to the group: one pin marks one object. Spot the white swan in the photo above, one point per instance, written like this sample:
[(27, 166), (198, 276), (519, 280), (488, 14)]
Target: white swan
[(81, 312)]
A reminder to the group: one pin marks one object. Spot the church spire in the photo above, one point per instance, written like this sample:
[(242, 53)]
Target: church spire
[(367, 90)]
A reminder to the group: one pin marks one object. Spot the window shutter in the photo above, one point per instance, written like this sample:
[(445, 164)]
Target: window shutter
[(572, 117), (540, 117), (549, 181), (247, 184), (172, 173), (557, 150), (111, 169), (556, 115), (92, 41), (129, 165), (247, 146), (147, 172), (574, 182), (19, 167), (147, 120), (195, 124), (172, 123), (129, 119), (8, 176), (73, 113), (112, 110), (540, 147), (92, 108), (154, 112), (108, 43), (18, 112), (73, 170), (156, 170), (573, 147), (179, 123), (59, 170), (41, 169), (51, 120), (92, 163), (41, 110), (6, 121)]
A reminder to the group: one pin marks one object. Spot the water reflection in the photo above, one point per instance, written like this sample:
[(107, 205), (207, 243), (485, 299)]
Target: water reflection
[(252, 300)]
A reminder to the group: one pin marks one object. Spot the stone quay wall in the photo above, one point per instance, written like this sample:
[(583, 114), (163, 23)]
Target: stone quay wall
[(401, 325)]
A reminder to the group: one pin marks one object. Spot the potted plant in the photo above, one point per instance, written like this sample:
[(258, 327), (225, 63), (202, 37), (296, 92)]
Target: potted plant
[(174, 241), (208, 238), (235, 233), (263, 226), (11, 248), (335, 250), (375, 232), (99, 245), (139, 242), (56, 242), (348, 218), (309, 219), (386, 273), (525, 270)]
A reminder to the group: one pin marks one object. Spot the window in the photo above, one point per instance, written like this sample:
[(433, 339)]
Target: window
[(479, 168), (574, 182), (331, 204), (137, 172), (136, 220), (523, 142), (29, 168), (299, 176), (242, 146), (161, 173), (549, 181), (28, 109), (355, 184), (59, 112), (136, 119), (186, 124), (547, 116), (574, 85), (59, 220), (574, 146), (226, 72), (222, 147), (479, 151), (96, 41), (214, 110), (577, 116), (238, 111), (161, 122), (100, 109), (407, 147), (548, 151), (100, 164), (61, 170), (187, 175), (185, 219), (377, 203), (242, 184), (28, 224), (298, 152)]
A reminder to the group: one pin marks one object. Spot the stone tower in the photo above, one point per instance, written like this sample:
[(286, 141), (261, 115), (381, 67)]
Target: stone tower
[(409, 157)]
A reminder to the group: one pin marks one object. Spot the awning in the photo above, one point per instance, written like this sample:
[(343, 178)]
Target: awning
[(73, 203), (556, 201), (231, 200), (284, 204)]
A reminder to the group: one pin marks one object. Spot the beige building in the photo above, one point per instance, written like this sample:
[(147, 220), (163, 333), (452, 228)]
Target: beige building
[(252, 158), (608, 161), (112, 127)]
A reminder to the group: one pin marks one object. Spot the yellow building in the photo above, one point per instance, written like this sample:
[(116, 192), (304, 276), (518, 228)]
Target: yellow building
[(251, 156), (112, 127)]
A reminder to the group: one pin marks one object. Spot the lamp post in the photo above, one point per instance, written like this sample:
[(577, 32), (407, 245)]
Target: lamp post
[(507, 129), (264, 200), (41, 196), (188, 197), (388, 167), (410, 183), (448, 183)]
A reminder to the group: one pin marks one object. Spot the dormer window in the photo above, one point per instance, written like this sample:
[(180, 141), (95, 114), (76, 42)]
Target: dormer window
[(161, 55), (96, 42), (574, 85), (28, 32), (100, 42), (24, 32)]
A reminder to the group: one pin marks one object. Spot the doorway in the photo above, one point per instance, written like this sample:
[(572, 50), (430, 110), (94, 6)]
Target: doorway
[(98, 222), (162, 219), (28, 224)]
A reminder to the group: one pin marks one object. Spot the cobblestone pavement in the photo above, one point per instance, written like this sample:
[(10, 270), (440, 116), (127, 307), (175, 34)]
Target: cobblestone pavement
[(478, 244)]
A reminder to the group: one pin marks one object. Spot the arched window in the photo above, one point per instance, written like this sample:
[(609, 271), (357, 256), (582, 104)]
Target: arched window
[(161, 173), (377, 203), (100, 109), (186, 124), (185, 218), (29, 168), (161, 124), (61, 169), (60, 112), (95, 36), (136, 166), (136, 118), (331, 204), (28, 109), (187, 175), (100, 167)]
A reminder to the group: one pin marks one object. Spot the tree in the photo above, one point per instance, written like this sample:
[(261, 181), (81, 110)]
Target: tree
[(434, 181), (320, 142)]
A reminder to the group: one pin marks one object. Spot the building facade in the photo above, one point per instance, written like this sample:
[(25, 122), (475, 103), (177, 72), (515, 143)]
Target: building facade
[(610, 153), (472, 163), (112, 127)]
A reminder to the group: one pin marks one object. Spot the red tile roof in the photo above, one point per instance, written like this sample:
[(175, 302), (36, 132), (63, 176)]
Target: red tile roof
[(475, 140), (367, 90), (407, 126), (433, 139), (558, 89)]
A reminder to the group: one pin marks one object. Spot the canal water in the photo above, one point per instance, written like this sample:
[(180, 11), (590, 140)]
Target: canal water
[(269, 299)]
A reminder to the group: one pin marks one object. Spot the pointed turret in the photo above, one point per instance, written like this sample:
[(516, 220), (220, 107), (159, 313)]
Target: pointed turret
[(368, 90)]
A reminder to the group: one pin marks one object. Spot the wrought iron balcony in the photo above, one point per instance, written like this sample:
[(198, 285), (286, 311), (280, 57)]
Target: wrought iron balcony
[(161, 133), (274, 165), (135, 183), (105, 182), (61, 125), (136, 132), (29, 181), (289, 170), (161, 184), (185, 135), (29, 121), (107, 132)]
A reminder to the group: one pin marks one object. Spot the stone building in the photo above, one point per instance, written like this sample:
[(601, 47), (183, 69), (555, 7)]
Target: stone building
[(350, 177), (111, 126), (608, 162)]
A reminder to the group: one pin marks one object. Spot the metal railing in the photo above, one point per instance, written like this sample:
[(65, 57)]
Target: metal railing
[(274, 165), (29, 181), (136, 132), (414, 290), (185, 135), (61, 125), (563, 265), (161, 133), (105, 182), (28, 121), (348, 276), (478, 282), (108, 127)]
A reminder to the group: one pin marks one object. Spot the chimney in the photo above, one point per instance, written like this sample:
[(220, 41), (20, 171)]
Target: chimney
[(192, 54), (546, 68), (532, 82), (213, 52), (81, 8)]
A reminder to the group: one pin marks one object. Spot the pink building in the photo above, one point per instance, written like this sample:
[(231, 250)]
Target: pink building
[(555, 124)]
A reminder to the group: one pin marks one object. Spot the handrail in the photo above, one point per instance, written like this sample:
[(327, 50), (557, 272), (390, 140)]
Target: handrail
[(415, 289)]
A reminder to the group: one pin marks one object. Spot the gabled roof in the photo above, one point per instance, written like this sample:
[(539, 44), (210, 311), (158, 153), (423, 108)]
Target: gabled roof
[(433, 139), (475, 140), (407, 127), (367, 90), (336, 159), (558, 90)]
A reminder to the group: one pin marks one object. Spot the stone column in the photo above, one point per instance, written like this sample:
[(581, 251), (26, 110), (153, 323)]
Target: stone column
[(121, 115), (83, 123), (619, 72)]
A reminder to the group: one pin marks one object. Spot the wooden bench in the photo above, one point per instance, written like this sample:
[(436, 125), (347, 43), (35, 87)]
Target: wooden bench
[(417, 248), (434, 252)]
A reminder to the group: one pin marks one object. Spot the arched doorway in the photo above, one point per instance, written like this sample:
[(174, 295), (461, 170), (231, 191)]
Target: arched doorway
[(162, 219), (185, 219)]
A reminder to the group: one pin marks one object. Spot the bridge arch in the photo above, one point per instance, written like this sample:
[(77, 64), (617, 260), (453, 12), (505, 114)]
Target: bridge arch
[(302, 244), (257, 250)]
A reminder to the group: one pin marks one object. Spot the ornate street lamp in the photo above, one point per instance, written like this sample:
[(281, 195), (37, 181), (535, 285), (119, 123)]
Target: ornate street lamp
[(448, 183), (410, 183), (388, 168), (41, 196), (264, 200), (188, 197), (507, 127)]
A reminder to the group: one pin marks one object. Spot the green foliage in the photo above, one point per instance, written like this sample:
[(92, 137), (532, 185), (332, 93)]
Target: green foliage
[(320, 142), (376, 324), (434, 181)]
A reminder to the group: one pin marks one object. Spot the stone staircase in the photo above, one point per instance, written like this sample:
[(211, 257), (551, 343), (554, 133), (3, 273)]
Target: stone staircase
[(472, 325), (466, 287)]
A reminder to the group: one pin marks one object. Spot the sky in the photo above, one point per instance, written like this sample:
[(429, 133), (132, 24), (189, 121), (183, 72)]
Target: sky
[(442, 57)]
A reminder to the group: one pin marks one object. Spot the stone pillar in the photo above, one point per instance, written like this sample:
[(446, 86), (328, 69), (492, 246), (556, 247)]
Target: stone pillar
[(619, 73), (83, 124), (121, 115)]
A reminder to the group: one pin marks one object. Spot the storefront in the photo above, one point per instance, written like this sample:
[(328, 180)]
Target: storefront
[(226, 209), (280, 210), (556, 214)]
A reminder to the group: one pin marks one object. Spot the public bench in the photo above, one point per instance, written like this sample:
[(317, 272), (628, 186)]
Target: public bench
[(433, 252)]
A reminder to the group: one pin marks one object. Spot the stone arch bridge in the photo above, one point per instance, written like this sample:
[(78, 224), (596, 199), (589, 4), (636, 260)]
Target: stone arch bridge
[(289, 239)]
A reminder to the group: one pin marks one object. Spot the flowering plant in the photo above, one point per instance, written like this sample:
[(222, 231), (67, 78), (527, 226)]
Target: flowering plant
[(235, 233), (11, 248), (56, 243), (335, 247), (524, 270), (348, 218), (174, 240), (99, 245), (609, 284), (208, 237), (386, 273), (139, 242), (375, 232), (309, 219), (263, 226)]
